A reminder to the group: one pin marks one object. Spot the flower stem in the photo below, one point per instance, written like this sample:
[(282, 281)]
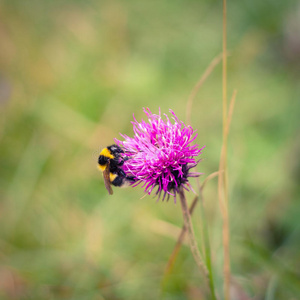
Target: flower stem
[(193, 244), (179, 241)]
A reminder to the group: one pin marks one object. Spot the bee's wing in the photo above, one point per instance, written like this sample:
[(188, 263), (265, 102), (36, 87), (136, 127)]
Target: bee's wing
[(107, 179)]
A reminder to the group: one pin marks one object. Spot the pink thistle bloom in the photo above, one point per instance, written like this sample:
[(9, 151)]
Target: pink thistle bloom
[(160, 154)]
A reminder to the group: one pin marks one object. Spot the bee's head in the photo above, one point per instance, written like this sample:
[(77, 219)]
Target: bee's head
[(102, 160), (115, 149)]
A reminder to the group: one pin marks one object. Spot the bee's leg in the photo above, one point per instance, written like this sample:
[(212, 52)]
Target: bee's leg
[(131, 178), (121, 173), (121, 162)]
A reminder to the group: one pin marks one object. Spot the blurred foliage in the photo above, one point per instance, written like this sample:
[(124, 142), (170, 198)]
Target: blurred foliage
[(72, 74)]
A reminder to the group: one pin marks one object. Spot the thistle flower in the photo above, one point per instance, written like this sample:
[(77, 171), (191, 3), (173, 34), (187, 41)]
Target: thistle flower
[(160, 154)]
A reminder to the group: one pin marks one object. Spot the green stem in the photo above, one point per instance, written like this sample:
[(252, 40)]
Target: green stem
[(207, 247)]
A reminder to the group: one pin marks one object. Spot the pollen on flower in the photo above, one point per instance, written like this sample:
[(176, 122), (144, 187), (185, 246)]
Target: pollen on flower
[(161, 154)]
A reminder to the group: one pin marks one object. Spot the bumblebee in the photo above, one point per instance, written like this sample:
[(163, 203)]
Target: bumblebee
[(110, 162)]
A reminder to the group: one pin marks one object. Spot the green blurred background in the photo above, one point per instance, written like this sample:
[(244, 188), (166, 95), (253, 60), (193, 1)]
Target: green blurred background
[(72, 73)]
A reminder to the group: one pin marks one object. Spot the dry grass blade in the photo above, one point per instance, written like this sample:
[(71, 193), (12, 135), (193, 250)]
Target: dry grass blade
[(194, 92), (208, 178), (230, 112)]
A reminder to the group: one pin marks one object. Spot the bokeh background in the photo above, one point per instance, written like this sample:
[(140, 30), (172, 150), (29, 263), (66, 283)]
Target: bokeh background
[(72, 74)]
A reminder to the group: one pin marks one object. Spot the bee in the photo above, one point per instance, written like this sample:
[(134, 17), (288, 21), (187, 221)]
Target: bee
[(110, 162)]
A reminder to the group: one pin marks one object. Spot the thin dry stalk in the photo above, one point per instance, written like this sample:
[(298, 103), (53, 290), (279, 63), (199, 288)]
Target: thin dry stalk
[(223, 178), (221, 165), (196, 88), (223, 200)]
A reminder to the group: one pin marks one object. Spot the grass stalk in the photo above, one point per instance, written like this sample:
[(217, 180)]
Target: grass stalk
[(223, 201), (223, 177)]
